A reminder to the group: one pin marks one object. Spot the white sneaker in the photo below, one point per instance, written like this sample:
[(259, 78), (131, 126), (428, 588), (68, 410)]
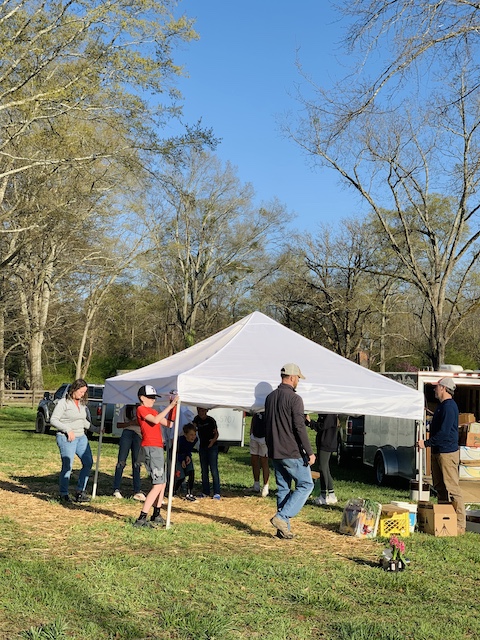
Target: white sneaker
[(140, 496), (331, 498), (265, 491), (320, 501), (117, 494)]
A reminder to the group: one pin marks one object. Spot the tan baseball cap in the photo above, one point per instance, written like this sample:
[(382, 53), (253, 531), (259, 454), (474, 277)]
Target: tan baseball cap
[(291, 369)]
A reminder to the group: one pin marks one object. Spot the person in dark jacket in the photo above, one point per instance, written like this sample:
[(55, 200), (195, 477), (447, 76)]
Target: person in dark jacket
[(443, 442), (326, 440), (289, 448)]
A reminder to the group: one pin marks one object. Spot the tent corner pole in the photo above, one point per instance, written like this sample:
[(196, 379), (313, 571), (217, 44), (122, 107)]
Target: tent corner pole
[(172, 466), (99, 448)]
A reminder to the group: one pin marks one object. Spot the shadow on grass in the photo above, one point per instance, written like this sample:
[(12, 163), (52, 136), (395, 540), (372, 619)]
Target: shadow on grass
[(34, 486), (232, 522)]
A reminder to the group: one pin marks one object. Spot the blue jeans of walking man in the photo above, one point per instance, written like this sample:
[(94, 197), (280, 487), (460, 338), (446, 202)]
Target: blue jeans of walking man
[(289, 501), (209, 461), (129, 442), (68, 450)]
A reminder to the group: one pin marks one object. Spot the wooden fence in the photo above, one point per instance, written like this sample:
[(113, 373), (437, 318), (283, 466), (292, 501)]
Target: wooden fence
[(22, 398)]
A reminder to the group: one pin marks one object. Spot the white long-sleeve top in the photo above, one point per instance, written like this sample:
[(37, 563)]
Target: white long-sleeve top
[(68, 417)]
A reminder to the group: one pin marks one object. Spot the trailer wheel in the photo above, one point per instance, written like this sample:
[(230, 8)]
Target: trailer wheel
[(379, 468)]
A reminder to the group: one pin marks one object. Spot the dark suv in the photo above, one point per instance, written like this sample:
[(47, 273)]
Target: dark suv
[(94, 408), (350, 437)]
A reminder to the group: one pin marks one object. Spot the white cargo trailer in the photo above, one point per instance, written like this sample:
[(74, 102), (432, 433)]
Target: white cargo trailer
[(389, 443)]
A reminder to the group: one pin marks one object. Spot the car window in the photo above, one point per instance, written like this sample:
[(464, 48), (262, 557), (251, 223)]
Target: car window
[(95, 393), (59, 393)]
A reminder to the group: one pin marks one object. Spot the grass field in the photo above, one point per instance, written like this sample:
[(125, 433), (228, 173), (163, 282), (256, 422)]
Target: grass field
[(84, 572)]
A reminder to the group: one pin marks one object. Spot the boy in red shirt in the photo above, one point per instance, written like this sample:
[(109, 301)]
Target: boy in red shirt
[(150, 422)]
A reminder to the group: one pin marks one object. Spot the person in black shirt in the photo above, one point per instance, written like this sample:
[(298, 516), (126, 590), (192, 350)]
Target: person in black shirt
[(259, 454), (208, 451), (326, 440)]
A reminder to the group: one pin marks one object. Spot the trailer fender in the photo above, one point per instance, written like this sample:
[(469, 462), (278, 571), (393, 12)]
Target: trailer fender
[(385, 464)]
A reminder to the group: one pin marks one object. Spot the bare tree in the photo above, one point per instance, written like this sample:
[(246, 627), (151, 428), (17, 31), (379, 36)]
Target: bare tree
[(397, 161), (209, 239)]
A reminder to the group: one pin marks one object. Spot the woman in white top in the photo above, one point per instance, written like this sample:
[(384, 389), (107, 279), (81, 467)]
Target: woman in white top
[(70, 419)]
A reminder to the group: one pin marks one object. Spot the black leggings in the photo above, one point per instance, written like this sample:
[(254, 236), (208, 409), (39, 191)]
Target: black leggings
[(326, 480), (190, 477)]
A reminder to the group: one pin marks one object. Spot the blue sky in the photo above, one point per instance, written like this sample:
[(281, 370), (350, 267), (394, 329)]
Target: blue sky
[(242, 78)]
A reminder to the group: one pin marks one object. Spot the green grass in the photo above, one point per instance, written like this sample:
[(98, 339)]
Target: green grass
[(64, 576)]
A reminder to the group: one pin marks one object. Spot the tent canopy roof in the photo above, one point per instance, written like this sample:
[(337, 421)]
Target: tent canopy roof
[(240, 365)]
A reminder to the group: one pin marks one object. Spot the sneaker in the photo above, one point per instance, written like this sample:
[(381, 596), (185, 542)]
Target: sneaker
[(144, 523), (158, 520), (216, 496), (331, 498), (117, 494), (202, 495), (280, 524), (140, 496), (256, 487), (82, 497), (65, 498), (320, 501), (190, 498), (265, 491)]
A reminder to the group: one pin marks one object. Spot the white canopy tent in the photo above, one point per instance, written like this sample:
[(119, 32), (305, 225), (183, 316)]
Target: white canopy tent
[(239, 366)]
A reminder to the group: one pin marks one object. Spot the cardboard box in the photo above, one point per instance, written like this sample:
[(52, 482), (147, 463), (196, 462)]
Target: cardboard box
[(473, 520), (470, 454), (468, 472), (474, 427), (439, 520), (473, 440), (466, 418)]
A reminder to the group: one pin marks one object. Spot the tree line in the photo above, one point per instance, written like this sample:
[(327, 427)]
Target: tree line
[(120, 246)]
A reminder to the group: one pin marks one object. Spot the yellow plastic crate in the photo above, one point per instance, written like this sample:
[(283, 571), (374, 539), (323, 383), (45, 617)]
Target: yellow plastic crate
[(394, 524)]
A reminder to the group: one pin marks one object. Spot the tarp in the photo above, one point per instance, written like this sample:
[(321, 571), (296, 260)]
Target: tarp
[(240, 365)]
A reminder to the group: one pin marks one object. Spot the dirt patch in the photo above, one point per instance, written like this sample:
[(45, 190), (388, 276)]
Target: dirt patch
[(243, 519)]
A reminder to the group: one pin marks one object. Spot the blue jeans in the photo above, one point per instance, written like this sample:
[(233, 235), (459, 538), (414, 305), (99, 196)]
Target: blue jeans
[(80, 447), (288, 471), (209, 461), (129, 442)]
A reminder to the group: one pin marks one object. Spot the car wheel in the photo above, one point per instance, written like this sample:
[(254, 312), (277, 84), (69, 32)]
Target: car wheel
[(41, 424), (379, 468)]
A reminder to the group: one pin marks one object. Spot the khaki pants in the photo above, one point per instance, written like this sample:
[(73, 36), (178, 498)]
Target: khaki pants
[(446, 482)]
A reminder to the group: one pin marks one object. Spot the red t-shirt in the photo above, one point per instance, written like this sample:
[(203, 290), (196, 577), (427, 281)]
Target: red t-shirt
[(151, 433)]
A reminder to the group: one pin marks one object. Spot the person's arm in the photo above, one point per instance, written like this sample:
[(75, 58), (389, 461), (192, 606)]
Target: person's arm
[(300, 430), (215, 434), (160, 418)]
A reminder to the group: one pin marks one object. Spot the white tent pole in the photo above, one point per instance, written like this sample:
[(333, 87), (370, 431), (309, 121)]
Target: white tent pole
[(99, 448), (172, 465)]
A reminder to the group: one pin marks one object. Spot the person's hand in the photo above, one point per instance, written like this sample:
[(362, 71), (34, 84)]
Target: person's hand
[(188, 460), (311, 459), (184, 464), (175, 400), (70, 436), (211, 443), (421, 444)]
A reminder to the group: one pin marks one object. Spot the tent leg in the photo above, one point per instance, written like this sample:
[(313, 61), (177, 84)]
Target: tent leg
[(172, 466), (99, 448)]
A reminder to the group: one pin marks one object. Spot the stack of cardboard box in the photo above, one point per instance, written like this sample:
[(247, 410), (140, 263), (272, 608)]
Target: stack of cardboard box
[(469, 441)]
